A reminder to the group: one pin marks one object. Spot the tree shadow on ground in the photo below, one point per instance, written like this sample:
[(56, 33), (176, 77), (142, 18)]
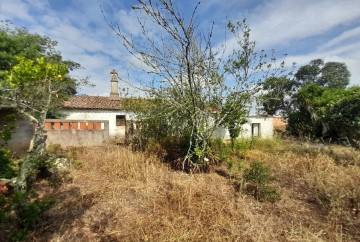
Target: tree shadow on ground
[(70, 206)]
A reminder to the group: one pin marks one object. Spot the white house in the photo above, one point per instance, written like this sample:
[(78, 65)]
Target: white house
[(111, 108), (91, 120), (101, 108), (256, 126)]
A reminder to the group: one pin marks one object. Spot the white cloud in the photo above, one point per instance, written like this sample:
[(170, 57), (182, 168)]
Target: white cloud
[(15, 9), (346, 35), (279, 22), (38, 4), (129, 22), (85, 37)]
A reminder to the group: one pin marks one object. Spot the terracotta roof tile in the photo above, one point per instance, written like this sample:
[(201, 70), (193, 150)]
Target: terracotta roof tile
[(93, 102)]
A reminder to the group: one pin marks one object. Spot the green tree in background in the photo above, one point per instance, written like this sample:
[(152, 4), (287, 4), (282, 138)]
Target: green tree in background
[(277, 95), (35, 81), (317, 103), (327, 113), (334, 75), (329, 74)]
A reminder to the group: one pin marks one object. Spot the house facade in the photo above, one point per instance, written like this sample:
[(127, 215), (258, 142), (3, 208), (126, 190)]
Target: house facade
[(94, 120), (90, 108), (256, 126)]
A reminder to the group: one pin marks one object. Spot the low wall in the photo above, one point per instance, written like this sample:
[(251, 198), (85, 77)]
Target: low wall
[(21, 137), (77, 132)]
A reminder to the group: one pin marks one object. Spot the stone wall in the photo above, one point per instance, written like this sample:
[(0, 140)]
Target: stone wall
[(77, 132), (21, 138)]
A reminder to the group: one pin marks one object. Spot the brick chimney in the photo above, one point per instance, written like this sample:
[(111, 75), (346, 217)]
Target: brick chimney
[(114, 94)]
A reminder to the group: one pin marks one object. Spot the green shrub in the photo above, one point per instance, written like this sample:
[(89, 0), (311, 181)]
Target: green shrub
[(258, 173), (7, 165), (256, 178), (223, 151), (72, 156), (240, 147), (20, 212), (54, 149), (220, 151), (268, 194), (153, 147)]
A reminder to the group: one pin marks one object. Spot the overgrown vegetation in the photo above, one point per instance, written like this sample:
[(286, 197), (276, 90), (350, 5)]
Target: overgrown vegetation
[(123, 195), (257, 178), (317, 102), (194, 88), (20, 211), (35, 81)]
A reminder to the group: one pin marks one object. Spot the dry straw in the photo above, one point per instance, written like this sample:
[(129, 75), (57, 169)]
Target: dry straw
[(120, 195)]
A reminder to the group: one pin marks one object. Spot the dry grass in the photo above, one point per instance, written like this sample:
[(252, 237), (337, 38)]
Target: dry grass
[(119, 195)]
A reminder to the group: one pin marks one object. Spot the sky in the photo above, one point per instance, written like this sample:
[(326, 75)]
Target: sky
[(302, 29)]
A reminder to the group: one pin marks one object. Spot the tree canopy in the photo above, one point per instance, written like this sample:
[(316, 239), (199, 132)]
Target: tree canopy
[(35, 81), (16, 42), (277, 95), (190, 76), (317, 102), (329, 74)]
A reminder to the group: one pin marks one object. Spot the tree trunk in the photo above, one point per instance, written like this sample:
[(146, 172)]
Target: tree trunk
[(39, 138), (38, 150)]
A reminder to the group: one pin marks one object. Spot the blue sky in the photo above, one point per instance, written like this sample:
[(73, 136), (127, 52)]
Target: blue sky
[(303, 29)]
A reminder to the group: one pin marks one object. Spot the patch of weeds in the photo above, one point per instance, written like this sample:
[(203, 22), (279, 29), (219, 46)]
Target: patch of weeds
[(72, 156), (344, 158), (310, 149), (20, 212), (269, 194), (223, 151), (274, 144), (54, 149), (154, 148), (240, 148), (8, 167), (234, 167), (256, 178)]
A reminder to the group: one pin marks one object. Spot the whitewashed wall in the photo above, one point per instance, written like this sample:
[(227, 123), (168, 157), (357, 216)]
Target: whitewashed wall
[(93, 114), (266, 123), (266, 129)]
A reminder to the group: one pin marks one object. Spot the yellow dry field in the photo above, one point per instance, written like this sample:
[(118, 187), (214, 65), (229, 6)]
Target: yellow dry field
[(121, 195)]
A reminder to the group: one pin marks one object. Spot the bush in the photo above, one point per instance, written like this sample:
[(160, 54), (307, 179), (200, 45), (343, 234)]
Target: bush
[(7, 165), (223, 151), (19, 214), (258, 173), (54, 149), (257, 176), (154, 148)]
